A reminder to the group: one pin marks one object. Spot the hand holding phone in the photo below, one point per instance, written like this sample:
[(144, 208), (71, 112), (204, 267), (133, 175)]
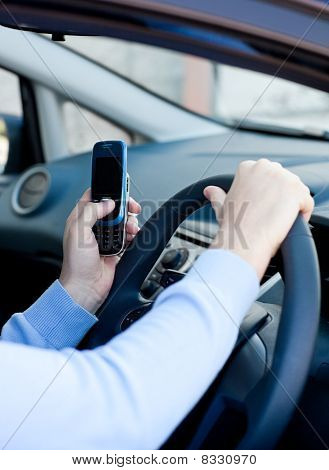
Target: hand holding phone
[(110, 180)]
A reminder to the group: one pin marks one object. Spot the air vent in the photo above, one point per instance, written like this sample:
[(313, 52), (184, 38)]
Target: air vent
[(30, 190)]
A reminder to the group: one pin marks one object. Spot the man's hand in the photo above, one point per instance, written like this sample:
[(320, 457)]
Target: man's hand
[(86, 275), (270, 198)]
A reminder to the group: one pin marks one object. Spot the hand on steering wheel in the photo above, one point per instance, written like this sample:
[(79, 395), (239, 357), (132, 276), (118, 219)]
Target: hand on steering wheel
[(273, 214)]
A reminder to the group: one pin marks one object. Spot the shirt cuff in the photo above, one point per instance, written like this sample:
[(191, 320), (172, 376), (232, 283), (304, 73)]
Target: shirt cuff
[(57, 318), (227, 276)]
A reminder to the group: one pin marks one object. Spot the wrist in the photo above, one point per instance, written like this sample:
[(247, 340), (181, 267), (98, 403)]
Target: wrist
[(82, 294), (249, 249)]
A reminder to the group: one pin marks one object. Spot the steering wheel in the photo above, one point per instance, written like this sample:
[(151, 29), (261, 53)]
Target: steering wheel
[(270, 404)]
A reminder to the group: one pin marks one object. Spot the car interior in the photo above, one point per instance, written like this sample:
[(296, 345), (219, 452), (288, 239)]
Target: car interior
[(286, 330)]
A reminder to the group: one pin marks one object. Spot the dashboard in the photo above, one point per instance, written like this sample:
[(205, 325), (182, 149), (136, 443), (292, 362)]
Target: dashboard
[(34, 206), (157, 171)]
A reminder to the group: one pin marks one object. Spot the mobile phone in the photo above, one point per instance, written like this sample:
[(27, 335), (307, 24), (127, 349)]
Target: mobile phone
[(110, 180)]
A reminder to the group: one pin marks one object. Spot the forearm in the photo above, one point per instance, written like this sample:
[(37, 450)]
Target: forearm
[(135, 390), (53, 321), (174, 353)]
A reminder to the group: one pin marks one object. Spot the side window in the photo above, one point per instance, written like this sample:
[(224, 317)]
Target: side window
[(11, 114), (83, 128)]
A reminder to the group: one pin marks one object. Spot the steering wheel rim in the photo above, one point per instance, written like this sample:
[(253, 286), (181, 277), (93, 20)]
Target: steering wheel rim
[(281, 386)]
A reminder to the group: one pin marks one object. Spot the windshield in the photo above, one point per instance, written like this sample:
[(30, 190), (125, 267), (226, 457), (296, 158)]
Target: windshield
[(214, 90)]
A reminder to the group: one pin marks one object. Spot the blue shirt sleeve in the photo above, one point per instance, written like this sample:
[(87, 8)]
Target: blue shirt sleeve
[(132, 392), (53, 321)]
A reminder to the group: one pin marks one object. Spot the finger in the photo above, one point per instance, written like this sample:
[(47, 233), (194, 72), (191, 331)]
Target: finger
[(86, 197), (307, 207), (90, 212), (111, 261), (263, 161), (217, 197), (245, 164), (133, 206), (130, 237), (277, 165), (132, 225)]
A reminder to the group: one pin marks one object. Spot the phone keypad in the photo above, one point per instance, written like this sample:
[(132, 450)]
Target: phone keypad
[(110, 240)]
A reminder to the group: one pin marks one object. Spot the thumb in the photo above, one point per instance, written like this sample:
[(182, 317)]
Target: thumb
[(217, 197), (93, 211)]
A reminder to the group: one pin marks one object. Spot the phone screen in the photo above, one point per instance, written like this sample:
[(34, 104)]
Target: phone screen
[(107, 180), (108, 177)]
